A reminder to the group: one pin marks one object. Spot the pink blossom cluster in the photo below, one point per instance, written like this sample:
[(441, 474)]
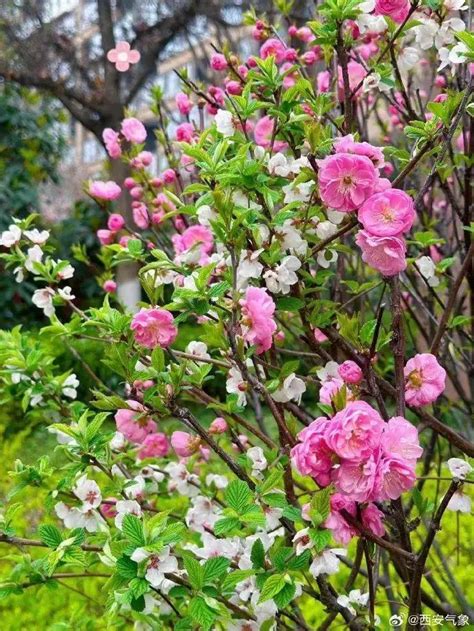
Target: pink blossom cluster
[(154, 327), (257, 318), (349, 180), (137, 427), (365, 458)]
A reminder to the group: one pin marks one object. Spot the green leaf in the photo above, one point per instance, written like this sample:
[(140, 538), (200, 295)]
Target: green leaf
[(272, 481), (225, 525), (272, 586), (194, 570), (200, 611), (126, 568), (50, 535), (138, 587), (289, 304), (232, 579), (238, 495), (285, 595), (215, 567), (321, 538), (254, 516), (257, 555), (292, 513), (132, 528), (320, 506), (172, 534)]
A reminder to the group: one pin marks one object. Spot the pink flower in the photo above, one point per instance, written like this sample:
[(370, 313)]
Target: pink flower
[(357, 74), (323, 80), (273, 47), (346, 181), (346, 144), (184, 132), (122, 56), (396, 9), (140, 216), (400, 438), (372, 518), (387, 214), (394, 476), (312, 455), (342, 531), (218, 61), (355, 431), (305, 34), (154, 446), (112, 142), (185, 444), (154, 327), (133, 130), (218, 426), (104, 190), (169, 176), (183, 103), (195, 243), (385, 254), (106, 237), (356, 479), (263, 134), (110, 286), (319, 336), (133, 423), (115, 222), (258, 325), (329, 388), (424, 379), (350, 372)]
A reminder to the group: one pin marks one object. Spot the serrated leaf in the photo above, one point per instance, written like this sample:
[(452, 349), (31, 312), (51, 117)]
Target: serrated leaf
[(238, 495), (272, 586), (225, 525), (201, 612), (132, 528), (138, 587), (292, 513), (232, 579), (320, 538), (257, 555), (194, 570), (50, 535), (320, 506), (215, 567), (126, 567), (254, 516), (285, 595)]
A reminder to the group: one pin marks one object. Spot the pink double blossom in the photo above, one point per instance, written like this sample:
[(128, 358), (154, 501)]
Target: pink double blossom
[(107, 191), (350, 372), (355, 431), (133, 423), (185, 444), (342, 531), (183, 103), (154, 446), (196, 242), (133, 130), (347, 144), (115, 222), (154, 327), (387, 214), (385, 254), (396, 9), (258, 325), (185, 132), (275, 48), (111, 140), (312, 456), (346, 180), (425, 379)]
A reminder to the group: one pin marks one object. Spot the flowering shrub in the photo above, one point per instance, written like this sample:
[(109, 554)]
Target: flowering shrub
[(315, 182)]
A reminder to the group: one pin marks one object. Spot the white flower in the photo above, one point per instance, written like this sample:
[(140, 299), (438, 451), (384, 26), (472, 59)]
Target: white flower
[(220, 481), (425, 33), (278, 165), (224, 123), (408, 58), (328, 371), (283, 277), (160, 276), (157, 565), (118, 441), (211, 547), (355, 597), (71, 517), (65, 293), (459, 468), (303, 541), (235, 384), (181, 480), (92, 520), (298, 192), (427, 269), (326, 257), (457, 54), (43, 299), (69, 386), (325, 230), (460, 502), (66, 272), (36, 399), (367, 7), (202, 515), (327, 562), (33, 256), (206, 214), (19, 274), (257, 457), (199, 349), (335, 216), (292, 389), (455, 5), (249, 267), (88, 491), (368, 23), (135, 488), (241, 199), (291, 238), (126, 507), (35, 236), (11, 236)]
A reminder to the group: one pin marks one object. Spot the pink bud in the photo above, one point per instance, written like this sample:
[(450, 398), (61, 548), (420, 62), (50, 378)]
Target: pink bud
[(169, 176), (115, 222), (129, 183), (146, 157), (110, 286), (234, 87), (136, 192), (218, 62), (184, 444), (218, 426), (106, 237), (157, 182), (350, 372), (292, 31)]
